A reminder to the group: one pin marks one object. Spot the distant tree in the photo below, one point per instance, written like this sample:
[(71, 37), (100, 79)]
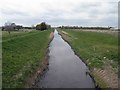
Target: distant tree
[(59, 27), (18, 27), (3, 28), (9, 26), (42, 26), (27, 27), (38, 27), (80, 27)]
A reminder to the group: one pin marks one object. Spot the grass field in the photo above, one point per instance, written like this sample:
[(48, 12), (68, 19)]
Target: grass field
[(99, 50), (95, 47), (22, 53), (6, 36)]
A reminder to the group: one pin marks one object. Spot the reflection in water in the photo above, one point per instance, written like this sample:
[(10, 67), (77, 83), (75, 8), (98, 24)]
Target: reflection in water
[(66, 70)]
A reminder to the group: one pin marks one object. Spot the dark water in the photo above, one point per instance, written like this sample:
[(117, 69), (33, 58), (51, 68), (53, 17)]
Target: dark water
[(65, 69)]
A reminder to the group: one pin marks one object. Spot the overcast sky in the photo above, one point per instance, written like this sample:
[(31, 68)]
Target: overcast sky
[(60, 12)]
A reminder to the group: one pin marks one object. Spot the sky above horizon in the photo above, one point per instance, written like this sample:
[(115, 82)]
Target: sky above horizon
[(60, 12)]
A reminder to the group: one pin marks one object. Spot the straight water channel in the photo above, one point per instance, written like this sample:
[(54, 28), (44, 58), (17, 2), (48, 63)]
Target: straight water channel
[(65, 69)]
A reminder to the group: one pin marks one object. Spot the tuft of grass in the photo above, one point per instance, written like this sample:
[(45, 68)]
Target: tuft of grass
[(21, 55), (100, 82)]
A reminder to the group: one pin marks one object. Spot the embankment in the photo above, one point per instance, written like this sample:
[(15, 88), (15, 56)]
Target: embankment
[(21, 56), (99, 52)]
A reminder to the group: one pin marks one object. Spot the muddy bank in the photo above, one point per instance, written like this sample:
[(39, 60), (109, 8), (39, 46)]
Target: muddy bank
[(41, 68)]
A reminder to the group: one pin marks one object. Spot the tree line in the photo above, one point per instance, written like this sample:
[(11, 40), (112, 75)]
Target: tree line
[(8, 26), (80, 27)]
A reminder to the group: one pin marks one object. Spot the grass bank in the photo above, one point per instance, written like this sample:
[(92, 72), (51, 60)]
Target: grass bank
[(98, 50), (22, 54)]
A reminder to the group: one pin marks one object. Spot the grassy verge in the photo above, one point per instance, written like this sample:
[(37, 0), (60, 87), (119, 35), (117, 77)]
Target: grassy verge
[(96, 49), (21, 56), (14, 34)]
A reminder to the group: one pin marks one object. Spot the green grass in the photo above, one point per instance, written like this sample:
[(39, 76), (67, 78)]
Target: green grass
[(96, 48), (22, 53), (13, 34)]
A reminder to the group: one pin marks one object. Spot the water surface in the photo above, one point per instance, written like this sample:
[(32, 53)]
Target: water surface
[(65, 69)]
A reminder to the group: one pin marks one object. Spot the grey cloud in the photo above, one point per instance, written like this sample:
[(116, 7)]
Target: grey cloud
[(55, 16), (9, 11), (86, 7)]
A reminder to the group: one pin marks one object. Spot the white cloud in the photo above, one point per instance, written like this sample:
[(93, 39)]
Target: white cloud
[(57, 12)]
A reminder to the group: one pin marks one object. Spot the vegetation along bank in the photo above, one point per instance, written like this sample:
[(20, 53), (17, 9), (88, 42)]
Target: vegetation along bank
[(22, 54), (99, 51)]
